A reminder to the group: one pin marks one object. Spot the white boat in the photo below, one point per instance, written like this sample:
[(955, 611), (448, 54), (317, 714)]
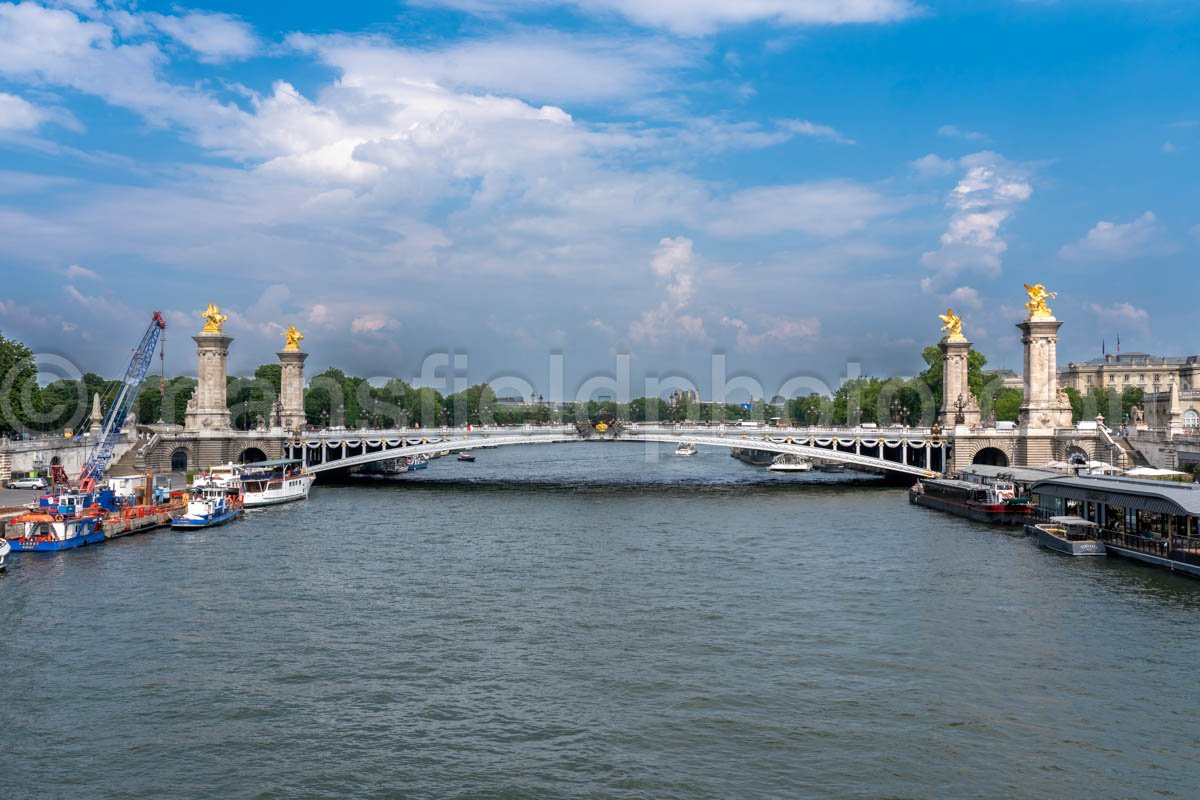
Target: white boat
[(686, 449), (5, 549), (786, 462), (1074, 536), (210, 506), (266, 483)]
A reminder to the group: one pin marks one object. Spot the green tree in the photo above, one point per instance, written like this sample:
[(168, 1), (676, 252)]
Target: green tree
[(932, 376)]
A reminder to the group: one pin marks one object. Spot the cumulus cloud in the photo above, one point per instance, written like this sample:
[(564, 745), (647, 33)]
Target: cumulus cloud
[(1144, 237), (1122, 313), (966, 297), (674, 265), (778, 331), (933, 164), (955, 132), (984, 198), (374, 323), (212, 36), (700, 17), (806, 128)]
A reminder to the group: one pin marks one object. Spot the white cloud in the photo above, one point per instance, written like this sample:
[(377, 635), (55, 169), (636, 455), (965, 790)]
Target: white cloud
[(819, 208), (1145, 237), (1123, 313), (374, 323), (933, 164), (984, 199), (212, 36), (806, 128), (700, 17), (674, 263), (18, 114), (778, 331), (75, 271), (955, 132), (965, 296)]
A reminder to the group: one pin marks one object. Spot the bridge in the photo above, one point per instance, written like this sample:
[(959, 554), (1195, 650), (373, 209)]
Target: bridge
[(905, 451)]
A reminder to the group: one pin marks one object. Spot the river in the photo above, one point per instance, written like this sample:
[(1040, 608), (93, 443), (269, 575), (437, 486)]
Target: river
[(583, 621)]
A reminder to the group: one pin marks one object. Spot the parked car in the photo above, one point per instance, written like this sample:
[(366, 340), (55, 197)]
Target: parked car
[(28, 483)]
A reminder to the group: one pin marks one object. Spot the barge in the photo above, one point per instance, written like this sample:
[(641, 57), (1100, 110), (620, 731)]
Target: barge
[(994, 502)]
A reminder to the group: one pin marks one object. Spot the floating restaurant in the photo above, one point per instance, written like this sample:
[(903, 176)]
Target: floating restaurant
[(1156, 522)]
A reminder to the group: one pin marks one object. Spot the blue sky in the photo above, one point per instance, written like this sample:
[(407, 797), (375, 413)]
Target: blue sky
[(794, 183)]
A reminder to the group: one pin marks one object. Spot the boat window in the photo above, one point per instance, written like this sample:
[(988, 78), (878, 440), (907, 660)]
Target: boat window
[(1114, 518)]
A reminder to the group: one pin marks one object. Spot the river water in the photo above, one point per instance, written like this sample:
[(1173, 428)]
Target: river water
[(581, 621)]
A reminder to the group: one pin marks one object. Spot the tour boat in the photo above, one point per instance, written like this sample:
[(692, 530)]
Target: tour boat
[(786, 462), (419, 462), (1074, 536), (686, 449), (464, 456), (73, 520), (269, 483), (211, 505), (994, 502), (5, 549)]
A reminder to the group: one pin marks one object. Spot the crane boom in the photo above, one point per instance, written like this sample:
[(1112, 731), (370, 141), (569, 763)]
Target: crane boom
[(110, 432)]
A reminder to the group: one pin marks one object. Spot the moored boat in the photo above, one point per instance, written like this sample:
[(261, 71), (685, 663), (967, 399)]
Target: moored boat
[(269, 483), (211, 505), (787, 462), (73, 520), (5, 549), (984, 502), (465, 456), (1074, 536), (686, 449)]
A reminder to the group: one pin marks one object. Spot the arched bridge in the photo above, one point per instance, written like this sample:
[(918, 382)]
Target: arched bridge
[(911, 451)]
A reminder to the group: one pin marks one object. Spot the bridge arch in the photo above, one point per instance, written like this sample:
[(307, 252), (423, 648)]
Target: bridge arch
[(992, 456), (180, 459), (251, 455)]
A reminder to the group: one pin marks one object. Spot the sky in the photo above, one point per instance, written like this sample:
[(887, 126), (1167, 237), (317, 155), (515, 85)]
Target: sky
[(799, 186)]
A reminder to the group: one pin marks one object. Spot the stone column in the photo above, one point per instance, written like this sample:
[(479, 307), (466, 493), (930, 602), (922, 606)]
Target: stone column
[(97, 417), (1045, 407), (208, 409), (291, 388), (956, 351)]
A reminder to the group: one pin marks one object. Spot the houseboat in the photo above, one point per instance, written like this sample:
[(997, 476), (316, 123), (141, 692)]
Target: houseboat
[(1155, 522), (995, 502), (786, 462), (268, 483)]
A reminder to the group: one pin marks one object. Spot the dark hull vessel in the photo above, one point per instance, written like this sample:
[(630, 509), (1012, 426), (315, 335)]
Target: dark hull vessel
[(980, 502)]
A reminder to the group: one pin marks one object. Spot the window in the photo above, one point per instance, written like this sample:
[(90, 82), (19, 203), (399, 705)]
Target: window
[(1191, 419)]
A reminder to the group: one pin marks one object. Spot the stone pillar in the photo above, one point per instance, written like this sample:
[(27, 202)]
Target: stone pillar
[(291, 388), (97, 419), (208, 409), (1044, 408), (956, 351)]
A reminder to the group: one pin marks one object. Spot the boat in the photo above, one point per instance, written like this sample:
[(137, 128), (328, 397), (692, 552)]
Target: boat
[(464, 456), (419, 462), (209, 506), (5, 549), (73, 520), (831, 466), (787, 462), (755, 458), (994, 502), (1074, 536), (264, 483), (686, 449)]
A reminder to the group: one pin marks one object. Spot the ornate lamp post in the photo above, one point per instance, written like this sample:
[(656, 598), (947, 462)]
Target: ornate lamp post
[(897, 409), (959, 405)]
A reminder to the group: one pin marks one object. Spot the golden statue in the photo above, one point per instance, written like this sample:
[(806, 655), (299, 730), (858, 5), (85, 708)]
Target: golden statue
[(952, 326), (294, 337), (214, 319), (1036, 306)]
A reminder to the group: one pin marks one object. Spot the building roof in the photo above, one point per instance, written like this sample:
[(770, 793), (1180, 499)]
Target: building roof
[(1018, 474), (1134, 360), (1143, 495)]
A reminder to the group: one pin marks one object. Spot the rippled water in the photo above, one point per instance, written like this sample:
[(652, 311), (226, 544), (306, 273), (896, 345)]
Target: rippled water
[(576, 621)]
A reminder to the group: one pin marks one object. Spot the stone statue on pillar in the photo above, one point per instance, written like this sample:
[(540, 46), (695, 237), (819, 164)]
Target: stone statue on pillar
[(208, 410), (291, 381), (959, 405), (1045, 407)]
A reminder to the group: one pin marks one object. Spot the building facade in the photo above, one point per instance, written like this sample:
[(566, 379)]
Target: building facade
[(1137, 370)]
